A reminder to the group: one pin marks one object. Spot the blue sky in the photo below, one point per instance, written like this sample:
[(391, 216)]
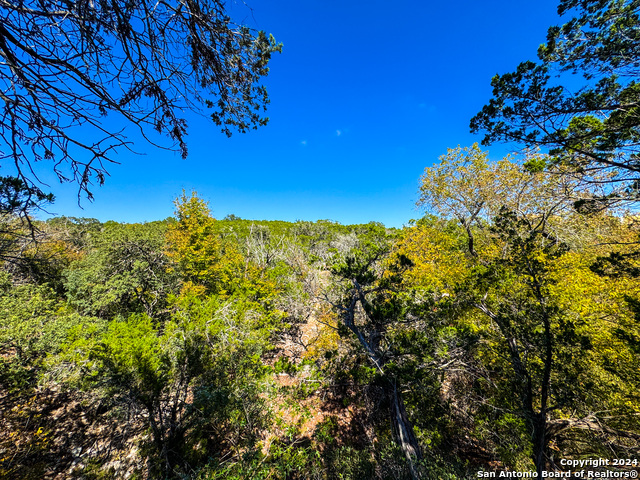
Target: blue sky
[(364, 96)]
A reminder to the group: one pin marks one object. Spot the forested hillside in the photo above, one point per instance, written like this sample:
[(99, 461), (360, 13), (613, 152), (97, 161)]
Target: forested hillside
[(497, 333)]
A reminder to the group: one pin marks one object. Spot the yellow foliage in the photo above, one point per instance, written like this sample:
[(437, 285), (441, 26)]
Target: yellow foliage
[(438, 261), (575, 288), (209, 263), (466, 186), (200, 253), (321, 333)]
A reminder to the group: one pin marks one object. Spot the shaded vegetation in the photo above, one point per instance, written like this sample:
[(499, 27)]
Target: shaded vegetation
[(483, 336), (500, 332)]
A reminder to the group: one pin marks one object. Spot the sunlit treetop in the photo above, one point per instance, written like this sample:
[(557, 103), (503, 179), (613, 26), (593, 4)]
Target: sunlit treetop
[(581, 99)]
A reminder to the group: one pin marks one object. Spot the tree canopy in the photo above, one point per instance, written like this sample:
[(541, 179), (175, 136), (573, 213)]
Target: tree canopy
[(500, 332), (66, 65), (581, 99), (479, 338)]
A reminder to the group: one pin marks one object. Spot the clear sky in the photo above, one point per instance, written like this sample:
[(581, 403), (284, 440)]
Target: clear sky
[(364, 96)]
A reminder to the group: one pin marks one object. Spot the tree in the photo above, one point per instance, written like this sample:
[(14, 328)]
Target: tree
[(539, 310), (194, 380), (212, 261), (558, 350), (124, 270), (17, 231), (592, 129), (201, 255), (391, 328), (33, 324), (66, 65), (467, 187)]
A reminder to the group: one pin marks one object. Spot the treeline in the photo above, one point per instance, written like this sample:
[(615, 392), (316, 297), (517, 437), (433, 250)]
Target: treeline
[(500, 331)]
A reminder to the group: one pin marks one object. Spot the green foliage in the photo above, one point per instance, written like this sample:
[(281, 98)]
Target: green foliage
[(282, 462), (440, 355), (197, 376), (203, 257), (16, 198), (18, 231), (532, 304), (124, 269), (33, 323), (399, 335), (595, 128)]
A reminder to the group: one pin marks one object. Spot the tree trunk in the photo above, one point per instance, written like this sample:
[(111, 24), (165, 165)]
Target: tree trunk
[(403, 430), (540, 442)]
